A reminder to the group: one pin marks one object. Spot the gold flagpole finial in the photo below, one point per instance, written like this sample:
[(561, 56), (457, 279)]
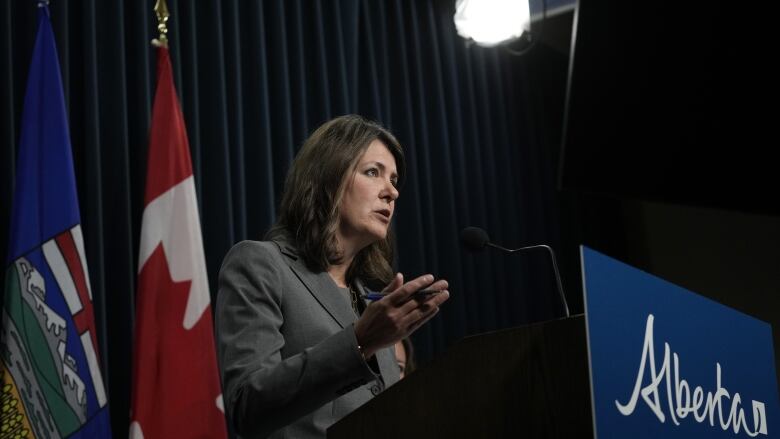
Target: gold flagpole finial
[(161, 9)]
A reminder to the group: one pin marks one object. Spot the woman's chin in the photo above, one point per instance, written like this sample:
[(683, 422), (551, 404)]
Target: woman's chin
[(376, 235)]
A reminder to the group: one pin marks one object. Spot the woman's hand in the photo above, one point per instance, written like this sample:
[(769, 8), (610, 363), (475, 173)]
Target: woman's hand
[(398, 314)]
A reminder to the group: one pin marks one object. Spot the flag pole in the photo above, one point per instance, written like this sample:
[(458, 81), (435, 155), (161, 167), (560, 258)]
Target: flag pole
[(161, 10)]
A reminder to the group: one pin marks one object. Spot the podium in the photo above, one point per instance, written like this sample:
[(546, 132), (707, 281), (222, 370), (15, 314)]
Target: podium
[(656, 360), (529, 381)]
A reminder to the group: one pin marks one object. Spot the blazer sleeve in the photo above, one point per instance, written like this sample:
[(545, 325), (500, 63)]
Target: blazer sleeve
[(263, 391)]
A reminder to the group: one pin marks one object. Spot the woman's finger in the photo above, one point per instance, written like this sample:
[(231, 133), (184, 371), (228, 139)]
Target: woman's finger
[(394, 284), (416, 325), (402, 293), (439, 286), (423, 310)]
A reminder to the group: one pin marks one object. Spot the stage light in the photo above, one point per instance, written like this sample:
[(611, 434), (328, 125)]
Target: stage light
[(492, 22)]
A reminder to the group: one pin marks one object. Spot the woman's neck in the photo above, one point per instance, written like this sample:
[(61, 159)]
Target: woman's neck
[(349, 250), (338, 272)]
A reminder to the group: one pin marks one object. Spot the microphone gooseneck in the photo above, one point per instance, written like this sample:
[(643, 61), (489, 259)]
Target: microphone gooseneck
[(476, 239)]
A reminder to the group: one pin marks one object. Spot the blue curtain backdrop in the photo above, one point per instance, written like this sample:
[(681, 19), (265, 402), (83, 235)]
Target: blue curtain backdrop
[(254, 79)]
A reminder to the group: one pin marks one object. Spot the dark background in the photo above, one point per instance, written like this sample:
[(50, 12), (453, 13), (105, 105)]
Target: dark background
[(483, 131), (667, 157)]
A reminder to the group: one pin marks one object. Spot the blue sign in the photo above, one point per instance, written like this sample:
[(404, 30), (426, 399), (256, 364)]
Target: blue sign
[(666, 362)]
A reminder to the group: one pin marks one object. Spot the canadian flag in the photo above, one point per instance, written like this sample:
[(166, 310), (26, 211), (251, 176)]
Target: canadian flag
[(176, 390)]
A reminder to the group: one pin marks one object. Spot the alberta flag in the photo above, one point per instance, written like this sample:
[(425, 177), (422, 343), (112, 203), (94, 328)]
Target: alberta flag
[(51, 380)]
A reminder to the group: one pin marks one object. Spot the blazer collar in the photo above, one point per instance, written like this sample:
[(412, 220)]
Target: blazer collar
[(320, 285), (325, 291)]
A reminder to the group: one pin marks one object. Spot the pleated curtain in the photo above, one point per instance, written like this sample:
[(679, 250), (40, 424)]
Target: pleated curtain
[(254, 79)]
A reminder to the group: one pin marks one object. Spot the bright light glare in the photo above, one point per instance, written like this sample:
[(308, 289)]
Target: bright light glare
[(491, 22)]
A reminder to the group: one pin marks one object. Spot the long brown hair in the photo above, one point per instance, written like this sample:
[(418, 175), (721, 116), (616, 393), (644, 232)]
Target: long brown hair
[(309, 212)]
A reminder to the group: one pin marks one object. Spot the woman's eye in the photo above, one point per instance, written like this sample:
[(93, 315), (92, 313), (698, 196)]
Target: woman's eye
[(373, 172)]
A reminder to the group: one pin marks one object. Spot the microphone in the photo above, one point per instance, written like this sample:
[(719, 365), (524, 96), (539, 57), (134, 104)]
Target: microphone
[(476, 239)]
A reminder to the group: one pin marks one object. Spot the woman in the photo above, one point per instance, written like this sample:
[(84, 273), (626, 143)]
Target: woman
[(404, 357), (298, 347)]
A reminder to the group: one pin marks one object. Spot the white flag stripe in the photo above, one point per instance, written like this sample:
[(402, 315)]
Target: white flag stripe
[(172, 218), (94, 369), (78, 239), (136, 432), (60, 269)]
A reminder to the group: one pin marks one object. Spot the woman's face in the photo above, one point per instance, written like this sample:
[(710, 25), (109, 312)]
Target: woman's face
[(369, 198), (400, 358)]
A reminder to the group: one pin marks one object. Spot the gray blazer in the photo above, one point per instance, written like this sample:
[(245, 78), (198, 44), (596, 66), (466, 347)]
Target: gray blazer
[(286, 345)]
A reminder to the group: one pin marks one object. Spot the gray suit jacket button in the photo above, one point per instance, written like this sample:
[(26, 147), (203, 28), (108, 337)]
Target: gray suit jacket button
[(375, 389)]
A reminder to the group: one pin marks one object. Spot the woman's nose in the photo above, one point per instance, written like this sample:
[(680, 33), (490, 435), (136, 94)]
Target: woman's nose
[(390, 191)]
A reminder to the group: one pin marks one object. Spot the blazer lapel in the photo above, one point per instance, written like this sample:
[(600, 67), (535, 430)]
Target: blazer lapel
[(321, 286), (388, 366)]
